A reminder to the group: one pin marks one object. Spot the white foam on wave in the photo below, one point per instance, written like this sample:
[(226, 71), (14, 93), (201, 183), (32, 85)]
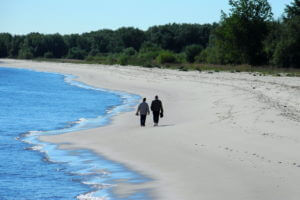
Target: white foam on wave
[(80, 121), (30, 137), (70, 80), (90, 196), (36, 148), (32, 133)]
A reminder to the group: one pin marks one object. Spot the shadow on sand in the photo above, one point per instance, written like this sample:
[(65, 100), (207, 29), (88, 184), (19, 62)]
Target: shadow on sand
[(165, 125)]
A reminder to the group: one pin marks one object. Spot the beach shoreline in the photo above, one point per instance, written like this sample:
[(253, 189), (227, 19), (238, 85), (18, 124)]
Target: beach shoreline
[(224, 135)]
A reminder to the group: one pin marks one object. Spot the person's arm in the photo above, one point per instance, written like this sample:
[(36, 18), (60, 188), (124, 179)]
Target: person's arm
[(148, 110), (138, 110), (152, 106), (161, 108)]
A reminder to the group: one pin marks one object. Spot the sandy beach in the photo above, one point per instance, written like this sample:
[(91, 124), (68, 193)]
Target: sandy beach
[(224, 136)]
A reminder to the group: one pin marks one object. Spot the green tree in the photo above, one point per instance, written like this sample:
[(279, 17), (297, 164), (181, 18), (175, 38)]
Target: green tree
[(5, 44), (25, 53), (81, 42), (76, 53), (105, 41), (131, 37), (240, 36), (35, 44), (287, 51), (292, 11), (276, 30), (16, 44), (175, 37), (55, 45)]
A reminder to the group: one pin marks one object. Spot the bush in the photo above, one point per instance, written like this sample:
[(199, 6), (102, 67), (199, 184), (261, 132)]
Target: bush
[(202, 57), (151, 55), (149, 47), (48, 55), (183, 68), (25, 54), (191, 51), (93, 52), (180, 58), (123, 60), (129, 51), (166, 57), (76, 53)]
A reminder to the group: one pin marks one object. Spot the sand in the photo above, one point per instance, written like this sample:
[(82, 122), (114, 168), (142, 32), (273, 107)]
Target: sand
[(224, 136)]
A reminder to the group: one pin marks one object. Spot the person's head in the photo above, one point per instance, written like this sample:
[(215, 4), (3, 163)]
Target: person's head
[(156, 97), (144, 99)]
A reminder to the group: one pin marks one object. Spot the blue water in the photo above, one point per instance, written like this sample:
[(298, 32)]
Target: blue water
[(35, 103)]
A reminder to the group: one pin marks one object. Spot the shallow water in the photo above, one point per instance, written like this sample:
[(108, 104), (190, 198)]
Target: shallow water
[(35, 103)]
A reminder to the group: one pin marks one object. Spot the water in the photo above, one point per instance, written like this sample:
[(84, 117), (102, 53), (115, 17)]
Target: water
[(35, 103)]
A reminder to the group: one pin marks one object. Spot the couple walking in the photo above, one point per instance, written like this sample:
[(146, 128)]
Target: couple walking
[(156, 108)]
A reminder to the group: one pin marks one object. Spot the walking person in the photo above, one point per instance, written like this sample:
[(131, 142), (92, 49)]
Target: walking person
[(143, 110), (157, 110)]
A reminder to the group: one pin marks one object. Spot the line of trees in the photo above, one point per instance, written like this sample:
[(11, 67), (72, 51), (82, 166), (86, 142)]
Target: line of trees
[(246, 35)]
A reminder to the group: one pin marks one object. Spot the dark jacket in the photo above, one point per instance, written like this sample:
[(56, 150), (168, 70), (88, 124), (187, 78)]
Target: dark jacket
[(156, 105)]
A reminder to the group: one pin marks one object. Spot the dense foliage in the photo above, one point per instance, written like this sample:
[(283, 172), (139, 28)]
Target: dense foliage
[(287, 47), (239, 38), (246, 35)]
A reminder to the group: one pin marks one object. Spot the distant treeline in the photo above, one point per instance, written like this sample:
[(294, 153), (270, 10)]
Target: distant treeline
[(248, 34)]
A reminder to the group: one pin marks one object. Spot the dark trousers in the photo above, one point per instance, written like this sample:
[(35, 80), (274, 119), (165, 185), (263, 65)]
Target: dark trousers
[(143, 120), (155, 116)]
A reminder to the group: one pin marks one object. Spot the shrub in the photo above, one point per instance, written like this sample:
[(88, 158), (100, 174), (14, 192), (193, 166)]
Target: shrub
[(93, 52), (202, 56), (183, 68), (129, 51), (151, 55), (48, 55), (76, 53), (149, 47), (25, 54), (111, 59), (123, 60), (166, 57), (191, 51), (148, 64), (180, 58)]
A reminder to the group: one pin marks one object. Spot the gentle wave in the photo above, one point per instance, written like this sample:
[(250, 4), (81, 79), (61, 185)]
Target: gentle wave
[(95, 171)]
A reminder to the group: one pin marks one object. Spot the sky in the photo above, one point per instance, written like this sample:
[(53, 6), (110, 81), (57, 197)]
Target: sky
[(79, 16)]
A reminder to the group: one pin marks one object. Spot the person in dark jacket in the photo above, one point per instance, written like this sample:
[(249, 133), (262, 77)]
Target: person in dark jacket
[(143, 110), (157, 110)]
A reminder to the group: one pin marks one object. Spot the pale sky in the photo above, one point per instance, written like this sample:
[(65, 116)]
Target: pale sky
[(78, 16)]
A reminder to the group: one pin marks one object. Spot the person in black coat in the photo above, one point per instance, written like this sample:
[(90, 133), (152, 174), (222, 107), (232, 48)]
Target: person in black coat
[(157, 110)]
